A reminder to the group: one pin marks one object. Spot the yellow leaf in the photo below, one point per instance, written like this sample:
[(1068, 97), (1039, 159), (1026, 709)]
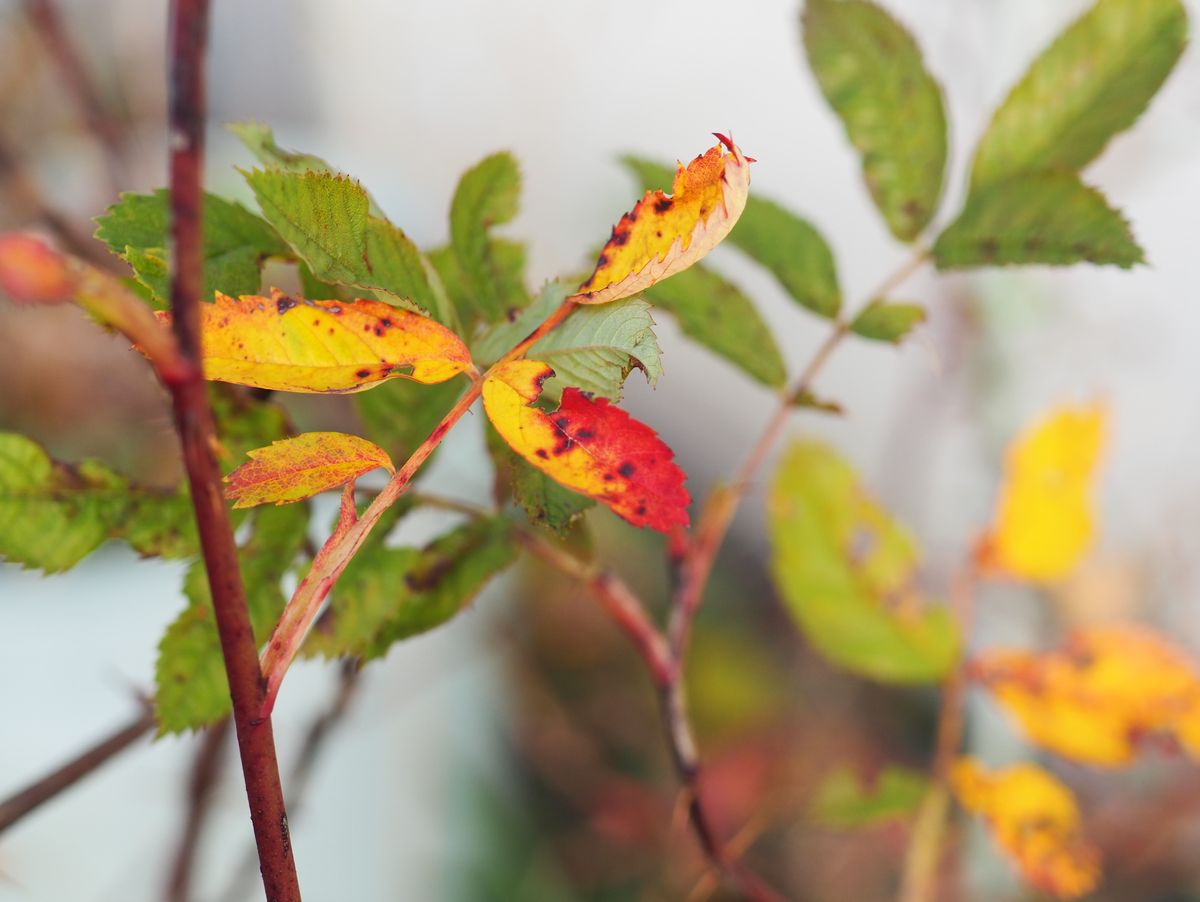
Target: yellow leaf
[(1034, 819), (292, 344), (588, 446), (297, 468), (1045, 517), (666, 233), (1093, 699)]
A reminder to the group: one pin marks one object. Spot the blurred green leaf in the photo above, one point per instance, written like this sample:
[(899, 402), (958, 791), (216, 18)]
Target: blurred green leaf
[(259, 139), (544, 501), (845, 570), (236, 242), (595, 349), (1090, 84), (389, 594), (1050, 218), (52, 514), (885, 321), (871, 72), (490, 271), (789, 247), (807, 399), (843, 800), (190, 673), (714, 312), (400, 414)]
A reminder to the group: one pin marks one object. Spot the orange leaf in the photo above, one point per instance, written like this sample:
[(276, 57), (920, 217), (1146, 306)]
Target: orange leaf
[(666, 233), (1045, 519), (292, 344), (1034, 819), (32, 272), (1095, 697), (297, 468), (589, 446)]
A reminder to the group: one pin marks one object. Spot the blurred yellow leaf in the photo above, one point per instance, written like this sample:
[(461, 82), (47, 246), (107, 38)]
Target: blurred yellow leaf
[(1044, 517), (666, 233), (296, 468), (1095, 697), (1034, 819)]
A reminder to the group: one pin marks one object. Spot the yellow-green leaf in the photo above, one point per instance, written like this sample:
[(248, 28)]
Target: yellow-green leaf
[(293, 469)]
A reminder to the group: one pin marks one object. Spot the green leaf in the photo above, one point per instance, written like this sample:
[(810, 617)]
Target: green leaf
[(491, 270), (389, 594), (52, 514), (236, 242), (190, 673), (806, 399), (544, 501), (243, 423), (1048, 218), (325, 218), (259, 139), (884, 321), (871, 72), (843, 800), (845, 571), (400, 413), (1090, 84), (715, 312), (789, 247), (595, 349)]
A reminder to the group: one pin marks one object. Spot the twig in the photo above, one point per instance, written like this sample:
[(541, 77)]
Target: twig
[(44, 16), (924, 847), (31, 797), (206, 771), (193, 419)]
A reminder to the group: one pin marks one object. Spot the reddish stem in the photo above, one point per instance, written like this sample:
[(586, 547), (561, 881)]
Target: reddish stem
[(193, 420)]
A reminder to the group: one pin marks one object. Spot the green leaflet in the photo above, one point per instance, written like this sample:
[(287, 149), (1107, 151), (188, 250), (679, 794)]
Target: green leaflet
[(845, 569), (544, 501), (1090, 84), (192, 690), (594, 349), (400, 414), (52, 514), (871, 72), (714, 312), (887, 321), (236, 242), (1048, 218), (389, 594), (490, 271), (789, 247), (843, 800), (327, 221)]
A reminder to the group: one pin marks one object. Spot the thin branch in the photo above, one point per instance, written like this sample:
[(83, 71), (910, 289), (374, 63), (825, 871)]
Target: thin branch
[(48, 787), (925, 845), (193, 419), (206, 771)]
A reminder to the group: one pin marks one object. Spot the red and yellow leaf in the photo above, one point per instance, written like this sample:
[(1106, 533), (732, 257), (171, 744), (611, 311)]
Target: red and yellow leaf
[(589, 446), (1035, 820), (1045, 518), (297, 345), (1095, 698), (297, 468), (31, 271), (666, 233)]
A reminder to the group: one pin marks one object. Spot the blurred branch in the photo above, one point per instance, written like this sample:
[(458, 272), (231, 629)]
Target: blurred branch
[(62, 50), (31, 797), (206, 772), (924, 847)]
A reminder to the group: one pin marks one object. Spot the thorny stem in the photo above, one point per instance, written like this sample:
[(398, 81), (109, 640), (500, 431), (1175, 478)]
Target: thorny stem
[(925, 844), (36, 794), (206, 771), (188, 35)]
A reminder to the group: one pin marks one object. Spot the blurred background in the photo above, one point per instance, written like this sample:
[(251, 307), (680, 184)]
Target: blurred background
[(516, 753)]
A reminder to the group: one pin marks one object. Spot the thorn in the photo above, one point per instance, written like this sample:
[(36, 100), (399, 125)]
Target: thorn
[(724, 140)]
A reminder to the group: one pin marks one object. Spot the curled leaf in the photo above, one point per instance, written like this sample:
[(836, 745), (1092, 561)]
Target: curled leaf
[(666, 233), (293, 469), (293, 344), (1045, 518), (1034, 819), (1094, 698), (589, 446)]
